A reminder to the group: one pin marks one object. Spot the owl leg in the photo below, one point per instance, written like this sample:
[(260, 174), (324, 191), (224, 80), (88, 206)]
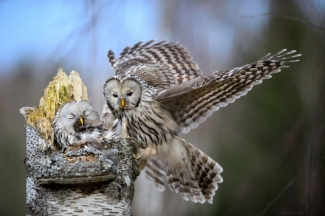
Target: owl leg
[(143, 155), (124, 128)]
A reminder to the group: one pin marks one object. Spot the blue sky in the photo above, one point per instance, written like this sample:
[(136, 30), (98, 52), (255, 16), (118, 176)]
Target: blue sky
[(35, 29), (49, 31)]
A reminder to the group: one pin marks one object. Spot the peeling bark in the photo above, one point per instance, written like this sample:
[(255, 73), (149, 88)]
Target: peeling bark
[(82, 181)]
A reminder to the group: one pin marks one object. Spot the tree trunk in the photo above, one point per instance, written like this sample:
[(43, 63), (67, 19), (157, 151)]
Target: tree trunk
[(81, 181)]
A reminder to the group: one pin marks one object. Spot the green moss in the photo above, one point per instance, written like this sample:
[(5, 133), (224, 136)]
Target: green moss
[(63, 96)]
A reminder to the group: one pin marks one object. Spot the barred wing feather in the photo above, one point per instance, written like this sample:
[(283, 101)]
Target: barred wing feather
[(192, 102)]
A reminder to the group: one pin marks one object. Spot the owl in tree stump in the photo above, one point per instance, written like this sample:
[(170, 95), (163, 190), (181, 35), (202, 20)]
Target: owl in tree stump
[(162, 92), (77, 123)]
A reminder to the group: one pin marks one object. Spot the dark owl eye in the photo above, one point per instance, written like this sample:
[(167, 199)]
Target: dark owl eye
[(114, 95), (129, 94), (86, 113), (71, 116)]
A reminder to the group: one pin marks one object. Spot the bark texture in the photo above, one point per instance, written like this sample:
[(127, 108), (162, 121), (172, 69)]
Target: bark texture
[(81, 181)]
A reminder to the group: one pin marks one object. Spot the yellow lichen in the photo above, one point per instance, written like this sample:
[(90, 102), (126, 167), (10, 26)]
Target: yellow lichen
[(62, 89)]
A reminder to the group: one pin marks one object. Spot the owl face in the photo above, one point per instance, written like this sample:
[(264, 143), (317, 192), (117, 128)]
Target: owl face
[(76, 113), (122, 95)]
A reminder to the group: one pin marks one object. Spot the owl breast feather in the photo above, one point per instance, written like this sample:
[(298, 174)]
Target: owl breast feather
[(150, 124)]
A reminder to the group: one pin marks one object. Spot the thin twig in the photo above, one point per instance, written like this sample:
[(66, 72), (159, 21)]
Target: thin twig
[(279, 195), (285, 17)]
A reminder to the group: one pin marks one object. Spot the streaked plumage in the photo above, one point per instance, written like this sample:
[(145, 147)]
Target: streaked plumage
[(162, 92)]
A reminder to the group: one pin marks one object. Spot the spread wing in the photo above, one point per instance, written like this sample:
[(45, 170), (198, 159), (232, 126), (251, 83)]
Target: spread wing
[(161, 64), (192, 102), (186, 169)]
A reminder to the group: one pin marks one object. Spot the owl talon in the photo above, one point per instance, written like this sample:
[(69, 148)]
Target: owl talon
[(63, 149), (143, 155)]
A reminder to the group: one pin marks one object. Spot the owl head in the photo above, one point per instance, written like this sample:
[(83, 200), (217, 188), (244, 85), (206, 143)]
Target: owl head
[(75, 115), (122, 93)]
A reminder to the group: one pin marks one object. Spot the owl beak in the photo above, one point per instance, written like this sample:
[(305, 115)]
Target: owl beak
[(81, 120), (123, 102)]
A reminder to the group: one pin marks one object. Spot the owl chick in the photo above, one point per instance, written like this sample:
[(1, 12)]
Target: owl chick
[(76, 123), (162, 92)]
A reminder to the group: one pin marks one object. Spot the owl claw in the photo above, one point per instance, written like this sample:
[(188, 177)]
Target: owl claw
[(143, 155), (63, 148)]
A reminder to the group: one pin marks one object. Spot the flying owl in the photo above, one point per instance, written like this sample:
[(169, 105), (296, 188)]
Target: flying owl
[(162, 92), (77, 123)]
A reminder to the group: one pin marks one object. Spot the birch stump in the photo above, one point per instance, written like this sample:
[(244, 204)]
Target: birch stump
[(81, 182)]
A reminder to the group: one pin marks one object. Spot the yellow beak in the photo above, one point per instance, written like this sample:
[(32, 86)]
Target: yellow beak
[(123, 103), (81, 121)]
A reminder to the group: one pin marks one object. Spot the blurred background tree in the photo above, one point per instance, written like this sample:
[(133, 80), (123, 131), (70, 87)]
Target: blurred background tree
[(270, 142)]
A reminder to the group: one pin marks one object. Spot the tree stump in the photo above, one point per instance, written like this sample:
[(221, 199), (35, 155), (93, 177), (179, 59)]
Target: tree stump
[(81, 181)]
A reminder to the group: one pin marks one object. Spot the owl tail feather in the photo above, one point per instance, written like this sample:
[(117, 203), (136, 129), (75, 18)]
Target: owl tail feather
[(187, 170)]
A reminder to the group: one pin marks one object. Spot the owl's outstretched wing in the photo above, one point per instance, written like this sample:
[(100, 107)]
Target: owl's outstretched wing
[(161, 64), (192, 102), (187, 170)]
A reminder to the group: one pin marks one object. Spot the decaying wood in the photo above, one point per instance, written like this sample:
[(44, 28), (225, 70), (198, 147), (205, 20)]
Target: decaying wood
[(63, 88)]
